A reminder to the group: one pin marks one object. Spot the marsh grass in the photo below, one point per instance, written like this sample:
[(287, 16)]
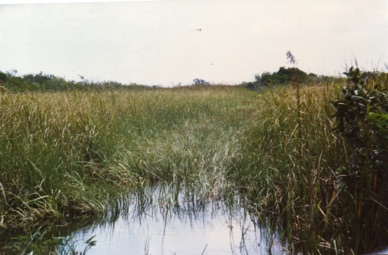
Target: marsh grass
[(69, 154), (301, 191), (305, 196)]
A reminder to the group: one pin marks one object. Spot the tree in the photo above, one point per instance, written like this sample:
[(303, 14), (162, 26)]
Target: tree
[(283, 76), (3, 77), (200, 82)]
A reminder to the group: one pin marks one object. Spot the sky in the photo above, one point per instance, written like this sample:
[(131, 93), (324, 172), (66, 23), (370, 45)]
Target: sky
[(170, 43)]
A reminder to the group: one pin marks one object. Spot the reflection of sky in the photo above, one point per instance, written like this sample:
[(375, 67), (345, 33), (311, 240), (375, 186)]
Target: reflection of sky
[(180, 236), (380, 252), (167, 42)]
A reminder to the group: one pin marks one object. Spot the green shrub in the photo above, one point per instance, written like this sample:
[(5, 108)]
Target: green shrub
[(362, 120)]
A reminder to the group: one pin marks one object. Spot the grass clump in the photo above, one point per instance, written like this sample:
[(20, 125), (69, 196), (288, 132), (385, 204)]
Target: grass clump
[(48, 141)]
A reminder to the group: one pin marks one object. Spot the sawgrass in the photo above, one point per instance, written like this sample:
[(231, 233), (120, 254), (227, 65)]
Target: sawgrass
[(68, 155), (289, 173), (287, 177)]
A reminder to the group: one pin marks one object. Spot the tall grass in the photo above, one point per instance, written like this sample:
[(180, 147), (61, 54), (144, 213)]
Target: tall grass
[(289, 172), (75, 153), (66, 155), (47, 142)]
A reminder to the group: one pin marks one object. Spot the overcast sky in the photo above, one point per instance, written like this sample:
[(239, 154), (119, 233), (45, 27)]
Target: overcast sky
[(170, 42)]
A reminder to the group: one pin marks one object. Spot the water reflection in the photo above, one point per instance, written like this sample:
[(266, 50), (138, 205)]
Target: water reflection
[(184, 226)]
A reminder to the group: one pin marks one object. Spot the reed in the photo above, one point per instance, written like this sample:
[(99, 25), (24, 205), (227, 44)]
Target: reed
[(68, 154), (76, 154), (305, 197)]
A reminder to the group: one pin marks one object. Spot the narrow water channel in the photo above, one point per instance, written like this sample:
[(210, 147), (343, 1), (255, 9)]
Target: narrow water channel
[(157, 222), (211, 228)]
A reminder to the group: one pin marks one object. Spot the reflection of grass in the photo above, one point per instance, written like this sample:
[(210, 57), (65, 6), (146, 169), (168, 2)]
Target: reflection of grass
[(38, 243), (147, 246)]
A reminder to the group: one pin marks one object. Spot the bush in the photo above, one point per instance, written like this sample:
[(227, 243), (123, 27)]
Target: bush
[(284, 76), (362, 120)]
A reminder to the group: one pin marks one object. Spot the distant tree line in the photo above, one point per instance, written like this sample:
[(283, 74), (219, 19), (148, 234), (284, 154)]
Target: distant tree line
[(198, 81), (284, 76), (41, 82)]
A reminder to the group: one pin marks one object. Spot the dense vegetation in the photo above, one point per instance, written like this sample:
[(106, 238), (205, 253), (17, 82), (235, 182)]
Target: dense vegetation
[(41, 82), (310, 160), (285, 76), (65, 155), (322, 169)]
